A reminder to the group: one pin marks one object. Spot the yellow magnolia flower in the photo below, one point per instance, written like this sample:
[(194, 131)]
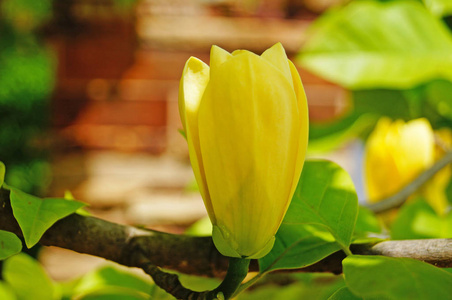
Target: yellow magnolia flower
[(246, 123), (435, 190), (396, 152)]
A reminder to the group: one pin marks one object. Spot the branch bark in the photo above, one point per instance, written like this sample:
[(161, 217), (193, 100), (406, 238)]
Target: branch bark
[(136, 247)]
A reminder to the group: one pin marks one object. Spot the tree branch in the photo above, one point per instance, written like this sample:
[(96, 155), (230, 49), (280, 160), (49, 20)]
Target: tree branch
[(135, 247)]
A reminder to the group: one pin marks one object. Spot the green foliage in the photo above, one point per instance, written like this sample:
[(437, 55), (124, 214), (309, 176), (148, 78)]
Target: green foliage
[(6, 293), (2, 173), (25, 15), (366, 223), (310, 286), (26, 83), (378, 277), (319, 221), (110, 283), (10, 244), (27, 279), (439, 7), (24, 279), (325, 137), (343, 294), (418, 220), (399, 46), (36, 215)]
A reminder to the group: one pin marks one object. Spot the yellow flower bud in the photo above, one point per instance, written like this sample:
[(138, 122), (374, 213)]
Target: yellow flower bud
[(397, 152), (435, 191), (246, 123)]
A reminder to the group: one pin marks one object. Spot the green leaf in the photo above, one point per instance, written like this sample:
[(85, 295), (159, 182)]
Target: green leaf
[(6, 293), (401, 45), (10, 244), (2, 173), (36, 215), (391, 103), (367, 222), (418, 220), (439, 7), (27, 278), (379, 277), (437, 94), (309, 286), (343, 294), (324, 137), (115, 293), (320, 219), (106, 278), (297, 246), (202, 227), (325, 196)]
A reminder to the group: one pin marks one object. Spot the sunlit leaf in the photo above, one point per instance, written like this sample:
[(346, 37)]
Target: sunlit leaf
[(36, 215), (115, 293), (6, 293), (107, 278), (297, 246), (418, 220), (343, 294), (319, 221), (10, 244), (367, 222), (27, 278), (325, 196), (439, 7), (312, 286), (367, 44), (379, 277)]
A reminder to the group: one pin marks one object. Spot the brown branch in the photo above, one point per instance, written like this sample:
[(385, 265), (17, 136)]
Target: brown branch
[(135, 247)]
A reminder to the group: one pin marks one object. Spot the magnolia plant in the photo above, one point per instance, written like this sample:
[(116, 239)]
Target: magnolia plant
[(246, 122), (396, 152)]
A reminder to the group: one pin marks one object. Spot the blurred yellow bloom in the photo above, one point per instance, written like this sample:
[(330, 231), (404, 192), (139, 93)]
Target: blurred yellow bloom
[(396, 152), (246, 123), (435, 190)]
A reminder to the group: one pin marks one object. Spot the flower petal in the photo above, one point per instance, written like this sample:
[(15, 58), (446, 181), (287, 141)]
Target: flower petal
[(276, 55), (249, 137), (195, 78), (218, 56)]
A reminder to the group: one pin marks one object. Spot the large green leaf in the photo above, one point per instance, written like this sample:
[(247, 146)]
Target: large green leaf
[(325, 196), (36, 215), (343, 294), (368, 44), (320, 219), (418, 220), (298, 246), (27, 278), (379, 277), (10, 244), (439, 7), (6, 293)]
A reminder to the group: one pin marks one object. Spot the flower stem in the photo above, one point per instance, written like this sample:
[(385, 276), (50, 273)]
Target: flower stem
[(237, 271)]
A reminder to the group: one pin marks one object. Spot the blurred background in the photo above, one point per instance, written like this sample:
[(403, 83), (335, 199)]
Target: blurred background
[(88, 93)]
